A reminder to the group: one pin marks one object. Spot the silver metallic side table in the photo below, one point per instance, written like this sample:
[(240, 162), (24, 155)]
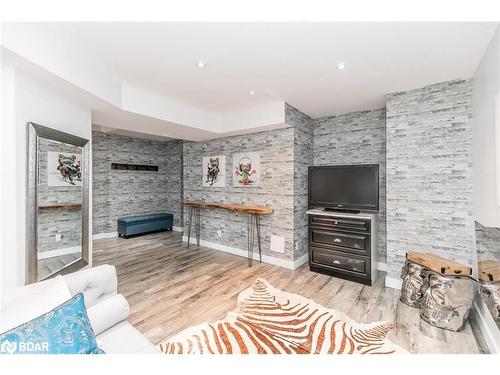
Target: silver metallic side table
[(489, 277), (447, 300), (413, 280), (490, 293), (442, 288)]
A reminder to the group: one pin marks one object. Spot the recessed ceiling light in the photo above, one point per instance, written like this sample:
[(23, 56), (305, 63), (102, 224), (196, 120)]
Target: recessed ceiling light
[(251, 92), (341, 65), (200, 64)]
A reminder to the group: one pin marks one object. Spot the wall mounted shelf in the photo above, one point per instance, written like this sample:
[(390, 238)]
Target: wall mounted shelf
[(134, 167), (60, 206)]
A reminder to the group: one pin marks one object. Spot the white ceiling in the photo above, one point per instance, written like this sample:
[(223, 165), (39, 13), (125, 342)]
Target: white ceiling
[(143, 78), (294, 62), (129, 133)]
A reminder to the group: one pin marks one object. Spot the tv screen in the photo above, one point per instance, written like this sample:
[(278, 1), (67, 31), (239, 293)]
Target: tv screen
[(347, 187)]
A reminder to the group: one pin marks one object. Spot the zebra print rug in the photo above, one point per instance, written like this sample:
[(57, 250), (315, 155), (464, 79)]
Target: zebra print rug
[(270, 321)]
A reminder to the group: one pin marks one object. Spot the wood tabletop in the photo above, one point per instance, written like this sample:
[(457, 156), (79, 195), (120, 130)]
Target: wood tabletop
[(261, 210), (59, 206), (489, 270), (439, 264)]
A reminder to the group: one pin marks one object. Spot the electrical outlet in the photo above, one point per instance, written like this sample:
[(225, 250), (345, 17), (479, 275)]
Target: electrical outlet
[(219, 233), (58, 237), (278, 244)]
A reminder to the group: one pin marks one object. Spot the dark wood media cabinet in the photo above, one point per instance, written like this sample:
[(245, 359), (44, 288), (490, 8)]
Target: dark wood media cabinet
[(343, 245)]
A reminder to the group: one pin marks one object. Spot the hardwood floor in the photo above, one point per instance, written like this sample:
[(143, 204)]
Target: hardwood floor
[(50, 265), (170, 287)]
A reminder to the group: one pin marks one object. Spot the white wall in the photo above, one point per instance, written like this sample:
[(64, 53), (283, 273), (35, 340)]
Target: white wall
[(8, 213), (54, 52), (26, 98), (486, 86)]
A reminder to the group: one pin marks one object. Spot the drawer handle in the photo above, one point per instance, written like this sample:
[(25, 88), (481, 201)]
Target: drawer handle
[(356, 245), (336, 262), (338, 240)]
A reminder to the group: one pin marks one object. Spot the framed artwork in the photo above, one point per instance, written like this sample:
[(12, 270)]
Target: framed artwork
[(214, 171), (246, 169), (64, 168)]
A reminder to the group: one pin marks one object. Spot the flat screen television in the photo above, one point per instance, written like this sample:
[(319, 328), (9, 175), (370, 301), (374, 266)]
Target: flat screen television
[(344, 187)]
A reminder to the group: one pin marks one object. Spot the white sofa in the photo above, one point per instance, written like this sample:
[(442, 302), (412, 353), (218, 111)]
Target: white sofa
[(107, 310)]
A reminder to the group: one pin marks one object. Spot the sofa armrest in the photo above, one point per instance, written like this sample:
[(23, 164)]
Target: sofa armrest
[(96, 284), (107, 313)]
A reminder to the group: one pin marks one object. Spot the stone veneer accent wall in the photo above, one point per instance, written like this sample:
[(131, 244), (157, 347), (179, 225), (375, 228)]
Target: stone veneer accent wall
[(487, 242), (355, 138), (285, 156), (276, 190), (125, 193), (429, 173), (302, 159)]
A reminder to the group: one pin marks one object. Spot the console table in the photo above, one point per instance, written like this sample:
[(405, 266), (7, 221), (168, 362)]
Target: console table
[(253, 224)]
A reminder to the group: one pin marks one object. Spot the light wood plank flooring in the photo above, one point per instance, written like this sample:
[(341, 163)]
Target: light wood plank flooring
[(48, 266), (170, 287)]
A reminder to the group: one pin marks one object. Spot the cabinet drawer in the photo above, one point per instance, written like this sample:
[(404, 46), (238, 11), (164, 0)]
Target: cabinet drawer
[(357, 243), (340, 223), (333, 260)]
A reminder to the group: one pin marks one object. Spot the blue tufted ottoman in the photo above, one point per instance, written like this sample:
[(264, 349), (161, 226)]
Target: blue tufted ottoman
[(131, 225)]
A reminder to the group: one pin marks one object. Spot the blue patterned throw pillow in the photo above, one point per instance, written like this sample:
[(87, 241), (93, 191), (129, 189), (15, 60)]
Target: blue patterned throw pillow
[(64, 330)]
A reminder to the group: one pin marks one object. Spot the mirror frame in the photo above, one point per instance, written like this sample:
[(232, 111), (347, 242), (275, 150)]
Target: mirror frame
[(36, 131)]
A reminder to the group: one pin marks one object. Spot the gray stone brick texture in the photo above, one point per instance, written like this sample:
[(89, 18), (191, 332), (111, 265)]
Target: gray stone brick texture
[(124, 193), (429, 173), (356, 138)]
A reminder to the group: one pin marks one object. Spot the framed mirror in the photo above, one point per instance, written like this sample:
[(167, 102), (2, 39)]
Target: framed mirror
[(57, 220), (488, 256)]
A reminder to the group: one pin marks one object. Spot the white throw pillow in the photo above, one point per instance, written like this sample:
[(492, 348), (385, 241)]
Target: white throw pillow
[(107, 313), (28, 302)]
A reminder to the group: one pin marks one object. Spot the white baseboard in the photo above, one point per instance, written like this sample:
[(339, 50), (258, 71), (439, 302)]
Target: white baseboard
[(302, 260), (100, 236), (381, 266), (59, 252), (291, 265), (393, 283), (487, 325)]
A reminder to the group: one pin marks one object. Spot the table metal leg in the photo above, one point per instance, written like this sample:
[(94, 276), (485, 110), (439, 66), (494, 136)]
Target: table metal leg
[(190, 209), (257, 224), (251, 236), (249, 251), (248, 242), (198, 225)]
